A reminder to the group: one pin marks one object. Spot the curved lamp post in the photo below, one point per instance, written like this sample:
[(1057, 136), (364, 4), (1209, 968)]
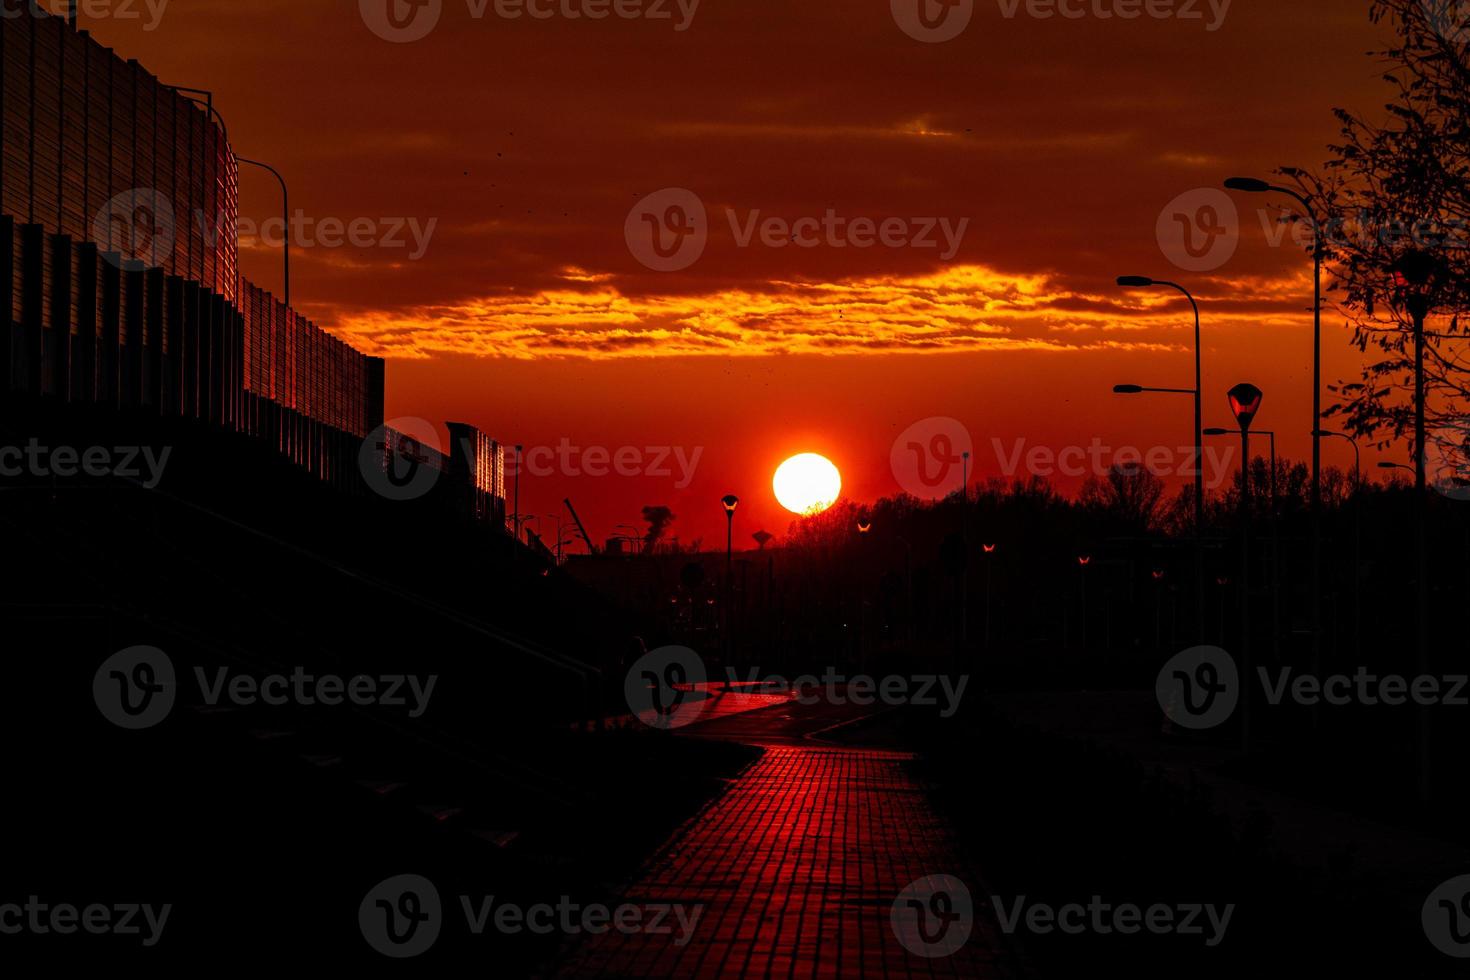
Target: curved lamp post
[(1254, 185), (1146, 282)]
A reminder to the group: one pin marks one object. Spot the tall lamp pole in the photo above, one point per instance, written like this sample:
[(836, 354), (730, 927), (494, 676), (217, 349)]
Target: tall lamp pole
[(1145, 282), (1357, 535), (1275, 544), (1245, 403), (730, 502), (1254, 185)]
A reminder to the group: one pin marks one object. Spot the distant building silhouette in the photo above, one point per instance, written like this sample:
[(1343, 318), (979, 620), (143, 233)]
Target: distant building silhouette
[(119, 270)]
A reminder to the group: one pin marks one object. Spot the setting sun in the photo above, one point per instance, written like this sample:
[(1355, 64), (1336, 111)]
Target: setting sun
[(807, 484)]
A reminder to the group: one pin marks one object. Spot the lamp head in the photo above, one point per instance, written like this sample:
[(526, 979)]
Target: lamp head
[(731, 502), (1217, 432), (1250, 185), (1245, 402), (1127, 389), (1135, 282)]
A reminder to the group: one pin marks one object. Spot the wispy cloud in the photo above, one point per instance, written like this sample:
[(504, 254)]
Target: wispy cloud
[(963, 308)]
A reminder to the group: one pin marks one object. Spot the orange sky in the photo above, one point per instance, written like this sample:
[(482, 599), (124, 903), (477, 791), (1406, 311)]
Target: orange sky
[(526, 142)]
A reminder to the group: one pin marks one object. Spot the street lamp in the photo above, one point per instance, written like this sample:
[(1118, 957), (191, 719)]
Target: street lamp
[(1245, 404), (730, 502), (1254, 185), (285, 217), (1357, 534), (1146, 282), (1275, 544), (1269, 434), (1357, 453)]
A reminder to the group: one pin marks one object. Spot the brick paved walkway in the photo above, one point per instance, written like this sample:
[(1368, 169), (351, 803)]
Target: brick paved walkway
[(798, 865)]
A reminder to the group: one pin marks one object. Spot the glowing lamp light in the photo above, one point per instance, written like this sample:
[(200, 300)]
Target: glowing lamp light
[(1084, 560), (989, 549), (1158, 574), (731, 502)]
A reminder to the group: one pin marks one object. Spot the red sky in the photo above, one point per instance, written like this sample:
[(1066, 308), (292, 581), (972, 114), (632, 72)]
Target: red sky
[(527, 142)]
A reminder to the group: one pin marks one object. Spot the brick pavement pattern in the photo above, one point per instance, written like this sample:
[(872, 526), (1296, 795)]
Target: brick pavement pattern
[(798, 865)]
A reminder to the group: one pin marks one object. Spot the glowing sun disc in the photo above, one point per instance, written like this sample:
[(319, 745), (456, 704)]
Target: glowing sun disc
[(807, 484)]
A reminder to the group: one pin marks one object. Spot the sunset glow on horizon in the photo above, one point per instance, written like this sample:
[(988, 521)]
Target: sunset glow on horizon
[(841, 254)]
